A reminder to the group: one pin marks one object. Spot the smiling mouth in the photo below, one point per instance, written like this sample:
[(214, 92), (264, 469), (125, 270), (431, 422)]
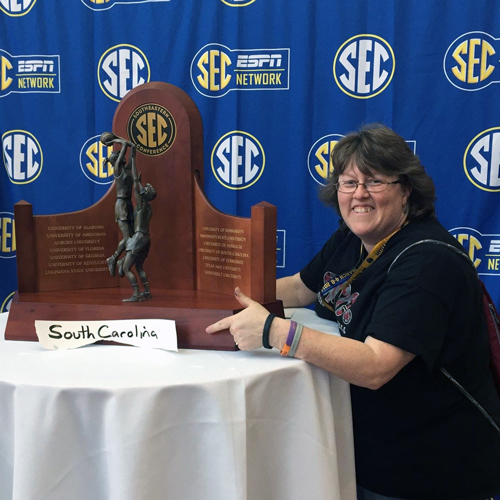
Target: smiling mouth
[(362, 210)]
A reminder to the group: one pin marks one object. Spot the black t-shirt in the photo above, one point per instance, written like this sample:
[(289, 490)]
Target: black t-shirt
[(417, 437)]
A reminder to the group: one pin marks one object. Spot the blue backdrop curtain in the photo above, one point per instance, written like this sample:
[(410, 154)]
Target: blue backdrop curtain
[(277, 84)]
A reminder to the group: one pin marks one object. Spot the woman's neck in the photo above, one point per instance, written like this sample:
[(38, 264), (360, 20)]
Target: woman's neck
[(370, 245)]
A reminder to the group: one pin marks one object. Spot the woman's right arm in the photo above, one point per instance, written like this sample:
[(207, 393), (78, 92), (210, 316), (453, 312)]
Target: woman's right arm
[(292, 291)]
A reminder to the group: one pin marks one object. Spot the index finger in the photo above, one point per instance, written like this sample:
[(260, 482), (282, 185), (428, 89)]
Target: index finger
[(223, 324)]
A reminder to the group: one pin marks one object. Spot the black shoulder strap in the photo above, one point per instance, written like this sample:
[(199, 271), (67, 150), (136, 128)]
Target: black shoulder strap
[(436, 242), (445, 372)]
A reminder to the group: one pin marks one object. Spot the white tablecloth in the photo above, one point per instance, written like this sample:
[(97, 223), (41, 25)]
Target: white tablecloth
[(122, 423)]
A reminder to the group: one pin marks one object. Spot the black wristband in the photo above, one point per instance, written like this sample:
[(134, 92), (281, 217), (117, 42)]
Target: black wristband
[(265, 332)]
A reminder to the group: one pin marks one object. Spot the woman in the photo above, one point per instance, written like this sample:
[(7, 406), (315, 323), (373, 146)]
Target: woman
[(415, 435)]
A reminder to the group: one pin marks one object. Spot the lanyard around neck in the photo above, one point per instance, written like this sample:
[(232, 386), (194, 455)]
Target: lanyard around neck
[(345, 279)]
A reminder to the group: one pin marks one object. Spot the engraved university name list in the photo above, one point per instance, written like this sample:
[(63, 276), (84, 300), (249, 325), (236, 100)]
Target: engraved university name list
[(75, 250), (225, 252)]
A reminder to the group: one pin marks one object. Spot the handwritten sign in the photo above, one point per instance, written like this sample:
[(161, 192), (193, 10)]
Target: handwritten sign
[(149, 333)]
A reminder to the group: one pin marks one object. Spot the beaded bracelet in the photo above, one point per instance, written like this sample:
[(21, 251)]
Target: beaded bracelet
[(265, 332)]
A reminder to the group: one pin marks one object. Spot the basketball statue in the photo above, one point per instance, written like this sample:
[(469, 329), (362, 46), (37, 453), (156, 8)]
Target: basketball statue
[(133, 221)]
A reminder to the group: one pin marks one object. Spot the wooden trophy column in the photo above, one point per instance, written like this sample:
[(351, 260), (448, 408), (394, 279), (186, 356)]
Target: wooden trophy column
[(198, 254)]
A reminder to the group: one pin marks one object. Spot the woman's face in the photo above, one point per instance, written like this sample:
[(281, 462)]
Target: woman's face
[(372, 216)]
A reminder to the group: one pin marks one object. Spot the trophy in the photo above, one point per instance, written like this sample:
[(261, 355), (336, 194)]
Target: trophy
[(72, 266)]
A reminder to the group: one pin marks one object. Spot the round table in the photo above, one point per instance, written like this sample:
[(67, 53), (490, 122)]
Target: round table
[(108, 422)]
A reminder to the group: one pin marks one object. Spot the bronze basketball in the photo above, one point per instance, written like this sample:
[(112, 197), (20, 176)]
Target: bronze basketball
[(107, 137)]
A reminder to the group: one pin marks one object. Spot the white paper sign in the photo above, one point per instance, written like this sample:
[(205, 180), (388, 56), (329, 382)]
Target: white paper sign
[(150, 333)]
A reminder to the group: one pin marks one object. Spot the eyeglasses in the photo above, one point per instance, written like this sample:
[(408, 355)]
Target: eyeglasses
[(372, 186)]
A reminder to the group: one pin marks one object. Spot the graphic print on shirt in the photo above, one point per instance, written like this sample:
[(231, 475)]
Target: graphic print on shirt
[(343, 304), (341, 300)]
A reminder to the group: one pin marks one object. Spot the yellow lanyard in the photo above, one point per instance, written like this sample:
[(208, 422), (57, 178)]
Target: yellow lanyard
[(347, 278)]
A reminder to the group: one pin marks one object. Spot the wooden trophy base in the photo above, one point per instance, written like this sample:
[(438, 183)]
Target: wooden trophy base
[(191, 310)]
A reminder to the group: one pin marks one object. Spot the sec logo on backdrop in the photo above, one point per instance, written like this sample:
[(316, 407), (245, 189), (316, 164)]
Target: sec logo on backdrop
[(16, 8), (471, 62), (238, 160), (7, 235), (364, 66), (107, 4), (92, 157), (22, 156), (482, 160), (5, 305), (237, 3), (483, 249), (29, 74), (280, 248), (319, 160), (217, 70), (122, 68)]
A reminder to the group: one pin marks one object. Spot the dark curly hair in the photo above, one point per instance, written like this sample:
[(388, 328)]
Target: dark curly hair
[(377, 148)]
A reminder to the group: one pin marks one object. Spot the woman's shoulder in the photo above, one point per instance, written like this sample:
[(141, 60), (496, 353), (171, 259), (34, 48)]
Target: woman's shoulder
[(428, 230), (428, 249), (340, 252)]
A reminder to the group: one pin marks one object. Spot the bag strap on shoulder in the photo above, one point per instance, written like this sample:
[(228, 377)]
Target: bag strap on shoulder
[(436, 242), (443, 370)]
